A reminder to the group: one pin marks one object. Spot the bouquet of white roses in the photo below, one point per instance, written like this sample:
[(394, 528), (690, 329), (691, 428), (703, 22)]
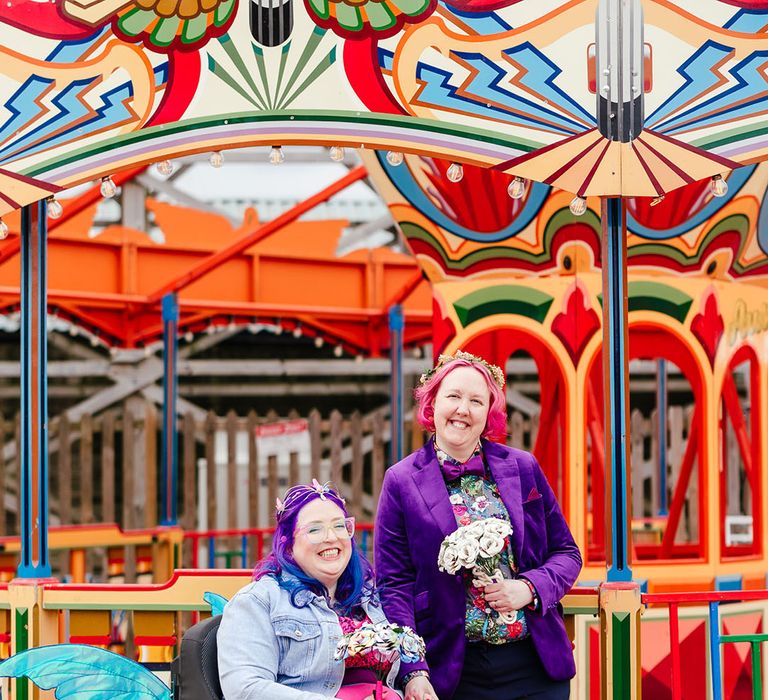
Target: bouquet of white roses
[(377, 646), (477, 547)]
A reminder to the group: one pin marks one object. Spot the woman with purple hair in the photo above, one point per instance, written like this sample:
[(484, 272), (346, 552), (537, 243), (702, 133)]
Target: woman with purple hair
[(278, 634), (497, 637)]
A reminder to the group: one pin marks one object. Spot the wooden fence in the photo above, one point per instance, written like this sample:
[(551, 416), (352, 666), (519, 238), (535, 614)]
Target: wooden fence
[(106, 468)]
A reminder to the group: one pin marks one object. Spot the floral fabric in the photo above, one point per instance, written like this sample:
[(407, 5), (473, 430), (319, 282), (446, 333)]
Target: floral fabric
[(474, 498)]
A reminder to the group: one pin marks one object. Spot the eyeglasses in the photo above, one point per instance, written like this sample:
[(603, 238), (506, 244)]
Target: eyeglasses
[(318, 532)]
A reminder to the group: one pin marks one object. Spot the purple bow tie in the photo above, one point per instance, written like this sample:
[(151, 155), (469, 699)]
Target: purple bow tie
[(452, 470)]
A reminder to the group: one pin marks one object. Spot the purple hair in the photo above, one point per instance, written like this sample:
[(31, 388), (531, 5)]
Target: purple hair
[(495, 424), (355, 582)]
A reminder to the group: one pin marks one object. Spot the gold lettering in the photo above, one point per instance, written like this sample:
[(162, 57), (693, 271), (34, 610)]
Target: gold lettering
[(746, 321)]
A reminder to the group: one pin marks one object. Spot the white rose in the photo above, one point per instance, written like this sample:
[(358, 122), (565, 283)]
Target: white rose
[(449, 560), (475, 528), (456, 499), (468, 552), (498, 527), (490, 545)]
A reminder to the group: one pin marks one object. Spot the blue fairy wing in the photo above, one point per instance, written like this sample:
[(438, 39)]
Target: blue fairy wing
[(82, 671), (216, 601)]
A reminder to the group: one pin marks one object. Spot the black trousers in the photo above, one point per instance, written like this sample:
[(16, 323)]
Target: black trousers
[(509, 671)]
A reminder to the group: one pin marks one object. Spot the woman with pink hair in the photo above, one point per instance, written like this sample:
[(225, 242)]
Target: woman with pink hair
[(497, 640)]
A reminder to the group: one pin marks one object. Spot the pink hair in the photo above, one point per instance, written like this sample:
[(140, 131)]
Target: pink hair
[(495, 424)]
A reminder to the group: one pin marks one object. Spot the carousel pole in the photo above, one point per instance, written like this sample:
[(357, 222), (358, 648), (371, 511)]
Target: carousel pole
[(396, 326), (31, 624), (619, 30), (34, 563), (169, 468), (661, 437)]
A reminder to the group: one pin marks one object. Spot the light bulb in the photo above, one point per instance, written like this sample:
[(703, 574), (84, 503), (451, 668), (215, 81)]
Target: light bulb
[(164, 167), (3, 230), (337, 351), (156, 236), (216, 159), (276, 155), (189, 336), (455, 172), (578, 206), (337, 153), (318, 342), (108, 188), (517, 188), (394, 158), (55, 210), (297, 332), (717, 186)]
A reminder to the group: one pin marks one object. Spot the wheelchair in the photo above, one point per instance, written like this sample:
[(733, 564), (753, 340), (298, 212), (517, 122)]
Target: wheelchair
[(195, 671)]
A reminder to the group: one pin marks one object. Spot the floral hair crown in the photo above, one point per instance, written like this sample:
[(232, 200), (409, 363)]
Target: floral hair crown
[(496, 373), (300, 492)]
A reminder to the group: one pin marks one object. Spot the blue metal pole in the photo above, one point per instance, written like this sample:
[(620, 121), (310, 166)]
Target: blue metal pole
[(714, 649), (661, 417), (396, 325), (34, 561), (169, 468), (616, 387)]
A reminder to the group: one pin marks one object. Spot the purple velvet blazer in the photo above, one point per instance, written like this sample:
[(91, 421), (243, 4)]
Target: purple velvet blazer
[(414, 515)]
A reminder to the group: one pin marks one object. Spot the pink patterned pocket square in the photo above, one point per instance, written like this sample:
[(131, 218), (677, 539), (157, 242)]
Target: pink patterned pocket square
[(533, 495)]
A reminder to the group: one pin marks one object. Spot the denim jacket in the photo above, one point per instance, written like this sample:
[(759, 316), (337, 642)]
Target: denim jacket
[(268, 649)]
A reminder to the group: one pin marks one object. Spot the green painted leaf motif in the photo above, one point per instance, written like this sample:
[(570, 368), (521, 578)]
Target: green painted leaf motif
[(379, 15), (165, 31), (223, 12), (411, 7), (194, 29), (349, 17), (321, 8), (136, 21)]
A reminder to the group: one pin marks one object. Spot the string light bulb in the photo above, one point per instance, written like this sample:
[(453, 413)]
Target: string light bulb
[(318, 342), (338, 351), (395, 158), (717, 186), (164, 167), (337, 154), (455, 172), (107, 188), (578, 206), (54, 208), (276, 155), (216, 159), (517, 188), (3, 230)]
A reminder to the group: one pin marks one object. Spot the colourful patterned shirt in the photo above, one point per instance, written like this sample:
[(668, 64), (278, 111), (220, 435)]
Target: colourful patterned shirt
[(473, 498)]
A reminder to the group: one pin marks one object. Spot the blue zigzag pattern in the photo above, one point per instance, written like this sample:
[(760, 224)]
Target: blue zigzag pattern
[(484, 89), (750, 90), (73, 109)]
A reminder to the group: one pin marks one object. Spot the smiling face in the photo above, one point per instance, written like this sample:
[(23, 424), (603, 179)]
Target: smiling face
[(461, 410), (327, 560)]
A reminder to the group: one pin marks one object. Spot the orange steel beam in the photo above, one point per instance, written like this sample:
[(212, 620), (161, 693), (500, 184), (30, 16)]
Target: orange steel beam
[(73, 208), (408, 288), (256, 235)]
